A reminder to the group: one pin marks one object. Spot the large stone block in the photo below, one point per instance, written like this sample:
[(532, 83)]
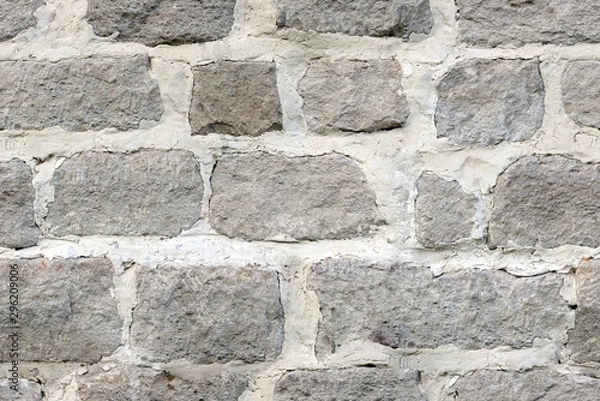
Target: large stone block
[(399, 18), (17, 15), (403, 306), (581, 92), (584, 339), (489, 23), (546, 201), (66, 310), (486, 102), (445, 213), (78, 95), (17, 220), (150, 192), (26, 390), (132, 383), (154, 22), (208, 314), (353, 384), (259, 196), (235, 98), (494, 385), (354, 96)]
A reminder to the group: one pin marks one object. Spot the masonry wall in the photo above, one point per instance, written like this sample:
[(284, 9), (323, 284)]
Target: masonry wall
[(300, 200)]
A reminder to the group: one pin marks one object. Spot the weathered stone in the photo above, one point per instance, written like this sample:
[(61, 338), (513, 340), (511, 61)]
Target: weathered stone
[(486, 102), (150, 192), (581, 92), (354, 384), (398, 18), (353, 96), (154, 22), (546, 201), (490, 23), (584, 339), (208, 314), (17, 220), (542, 385), (78, 95), (445, 213), (259, 196), (235, 98), (406, 307), (17, 15), (26, 390), (132, 383), (66, 310)]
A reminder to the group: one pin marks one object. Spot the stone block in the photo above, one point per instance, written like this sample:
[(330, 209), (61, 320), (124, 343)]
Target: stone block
[(26, 390), (17, 15), (584, 339), (581, 92)]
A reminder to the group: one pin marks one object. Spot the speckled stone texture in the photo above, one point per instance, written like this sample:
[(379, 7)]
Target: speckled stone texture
[(26, 390), (581, 92), (584, 339), (17, 15)]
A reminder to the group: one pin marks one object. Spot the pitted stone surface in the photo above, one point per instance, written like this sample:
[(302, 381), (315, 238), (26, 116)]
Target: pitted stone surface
[(399, 18), (154, 22), (546, 201), (355, 96), (132, 383), (235, 98), (17, 220), (486, 102), (208, 314), (581, 92), (17, 15), (150, 192), (445, 213), (500, 22), (538, 385), (27, 390), (405, 307), (66, 310), (584, 340), (78, 95), (259, 196), (354, 384)]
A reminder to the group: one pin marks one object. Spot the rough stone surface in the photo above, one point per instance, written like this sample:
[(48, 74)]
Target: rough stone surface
[(236, 98), (66, 308), (404, 307), (581, 92), (149, 192), (486, 102), (547, 201), (353, 96), (259, 196), (399, 18), (17, 15), (354, 384), (536, 385), (132, 383), (208, 314), (445, 213), (27, 391), (78, 95), (500, 22), (17, 220), (584, 340), (154, 22)]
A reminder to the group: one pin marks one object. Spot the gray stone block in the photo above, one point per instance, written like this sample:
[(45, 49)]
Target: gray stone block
[(208, 314), (546, 201), (258, 196), (17, 15), (26, 390), (354, 96), (154, 22), (399, 18), (17, 219), (402, 306), (353, 384), (584, 339), (581, 92), (66, 310), (78, 95), (149, 192), (486, 102), (235, 98)]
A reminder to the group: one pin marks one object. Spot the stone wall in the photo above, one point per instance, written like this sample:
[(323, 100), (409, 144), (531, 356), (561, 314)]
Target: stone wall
[(300, 200)]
